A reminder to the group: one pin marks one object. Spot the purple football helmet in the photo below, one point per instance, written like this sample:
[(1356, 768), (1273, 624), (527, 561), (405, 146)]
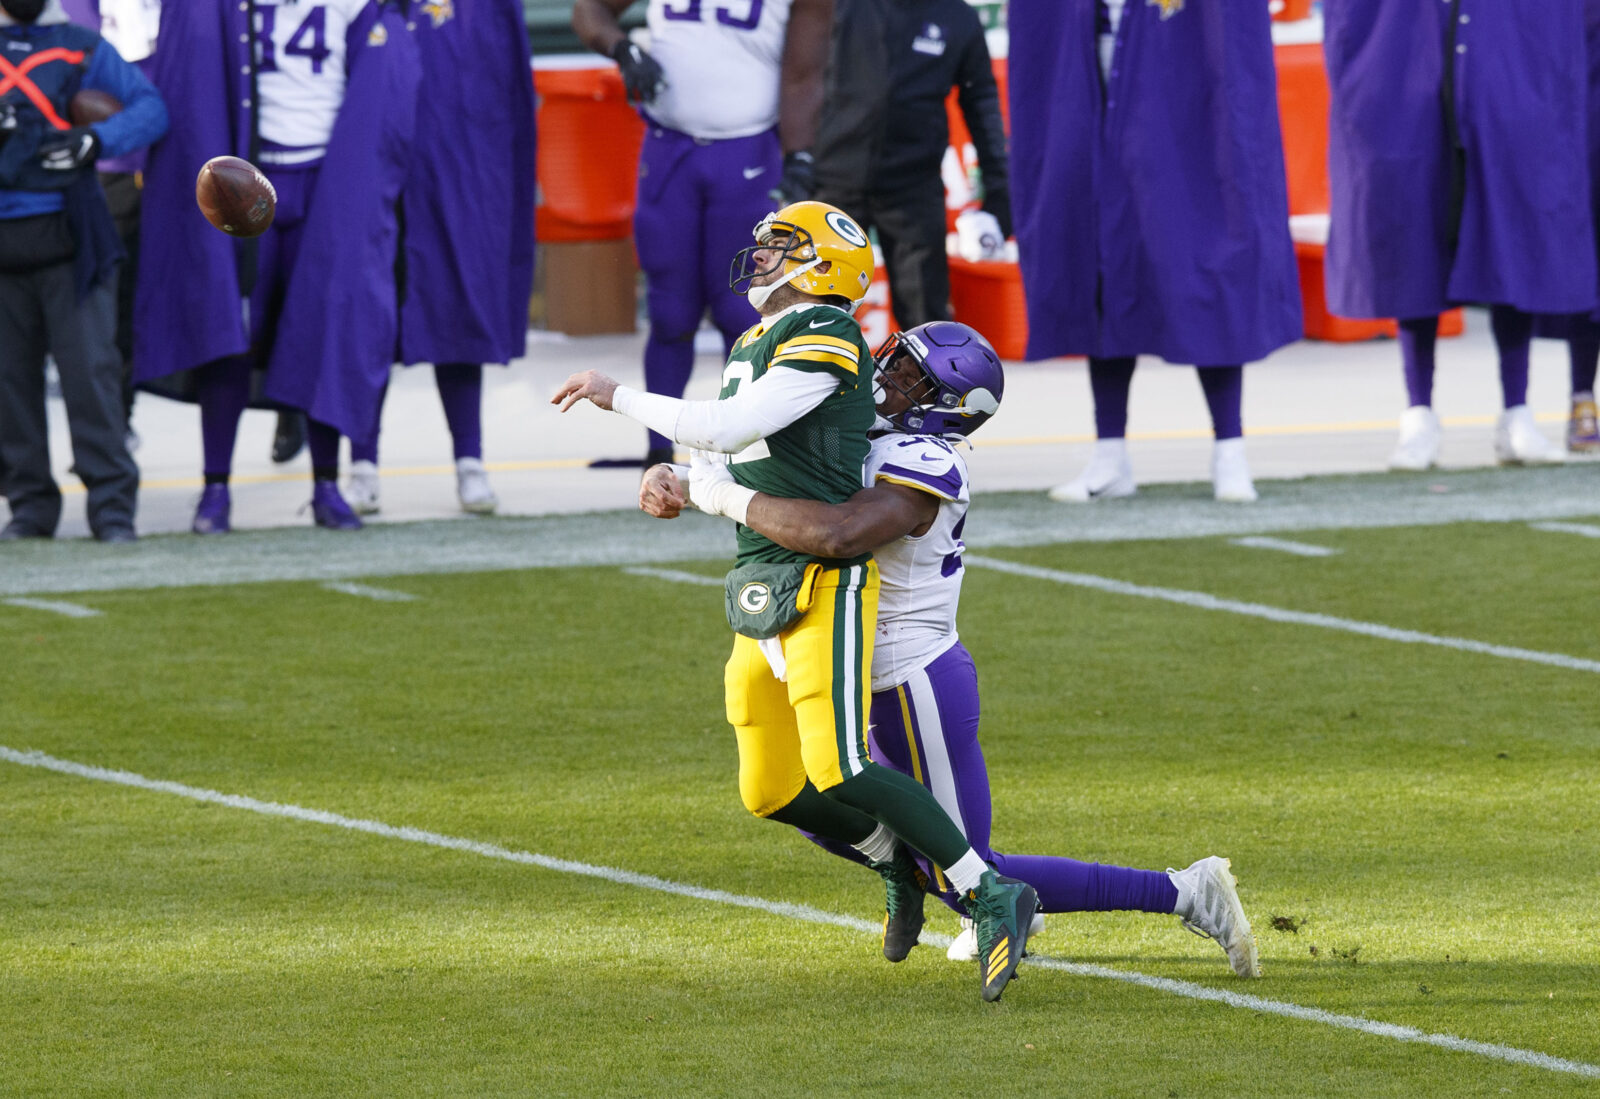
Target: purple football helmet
[(962, 370)]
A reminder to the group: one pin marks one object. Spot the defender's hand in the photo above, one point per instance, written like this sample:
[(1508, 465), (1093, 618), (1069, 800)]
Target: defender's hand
[(661, 493)]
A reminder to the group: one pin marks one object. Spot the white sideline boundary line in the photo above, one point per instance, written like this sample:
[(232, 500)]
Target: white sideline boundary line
[(1187, 989), (1278, 614), (367, 591), (677, 576), (1284, 545), (1588, 530), (55, 606)]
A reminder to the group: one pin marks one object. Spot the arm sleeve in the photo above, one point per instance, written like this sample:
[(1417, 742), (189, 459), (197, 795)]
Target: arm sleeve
[(771, 403), (143, 118)]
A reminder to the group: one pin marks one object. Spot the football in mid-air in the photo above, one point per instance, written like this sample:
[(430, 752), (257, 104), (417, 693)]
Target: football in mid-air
[(91, 105), (235, 196)]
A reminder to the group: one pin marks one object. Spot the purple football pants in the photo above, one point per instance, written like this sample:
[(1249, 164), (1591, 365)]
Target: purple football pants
[(461, 393), (698, 202), (1111, 379), (1513, 334), (223, 387), (928, 728)]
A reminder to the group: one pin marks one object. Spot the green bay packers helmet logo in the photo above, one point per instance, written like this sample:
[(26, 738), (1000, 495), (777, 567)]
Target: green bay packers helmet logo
[(840, 223), (754, 597)]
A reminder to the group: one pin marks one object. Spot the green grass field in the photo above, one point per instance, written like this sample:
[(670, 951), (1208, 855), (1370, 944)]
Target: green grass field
[(1413, 827)]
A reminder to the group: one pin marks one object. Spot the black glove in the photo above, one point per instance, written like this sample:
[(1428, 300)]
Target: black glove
[(998, 203), (799, 180), (640, 73), (70, 149), (8, 120)]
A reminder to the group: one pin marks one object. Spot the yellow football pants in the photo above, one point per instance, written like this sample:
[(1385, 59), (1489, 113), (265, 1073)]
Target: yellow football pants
[(815, 724)]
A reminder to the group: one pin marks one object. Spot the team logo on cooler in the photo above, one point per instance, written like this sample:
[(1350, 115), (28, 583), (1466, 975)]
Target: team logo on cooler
[(1169, 8), (754, 597), (840, 223)]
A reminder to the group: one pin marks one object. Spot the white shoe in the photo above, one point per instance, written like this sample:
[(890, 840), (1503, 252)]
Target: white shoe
[(1208, 904), (1518, 440), (1418, 446), (472, 485), (1108, 476), (361, 490), (964, 947), (1230, 473)]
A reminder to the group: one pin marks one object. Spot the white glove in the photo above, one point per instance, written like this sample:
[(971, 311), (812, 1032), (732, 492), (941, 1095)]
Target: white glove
[(978, 236), (712, 488)]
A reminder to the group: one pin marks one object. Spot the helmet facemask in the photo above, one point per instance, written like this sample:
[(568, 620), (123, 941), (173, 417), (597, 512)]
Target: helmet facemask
[(797, 249)]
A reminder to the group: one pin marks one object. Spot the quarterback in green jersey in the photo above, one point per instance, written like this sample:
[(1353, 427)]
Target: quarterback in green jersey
[(792, 420)]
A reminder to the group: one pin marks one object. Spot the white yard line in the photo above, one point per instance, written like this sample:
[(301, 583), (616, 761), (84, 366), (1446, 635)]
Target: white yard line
[(1277, 614), (366, 591), (1187, 989), (1283, 545), (54, 606), (675, 575), (1585, 529)]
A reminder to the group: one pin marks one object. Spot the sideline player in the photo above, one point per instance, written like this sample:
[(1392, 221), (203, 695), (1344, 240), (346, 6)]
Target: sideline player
[(468, 228), (730, 93), (323, 96), (793, 414), (937, 384)]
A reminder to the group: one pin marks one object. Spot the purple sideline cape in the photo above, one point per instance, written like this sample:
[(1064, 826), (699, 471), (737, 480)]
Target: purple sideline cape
[(335, 342), (1525, 227), (469, 199), (1165, 196)]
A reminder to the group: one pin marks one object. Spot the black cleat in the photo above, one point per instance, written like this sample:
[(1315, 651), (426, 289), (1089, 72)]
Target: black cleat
[(290, 438), (904, 884)]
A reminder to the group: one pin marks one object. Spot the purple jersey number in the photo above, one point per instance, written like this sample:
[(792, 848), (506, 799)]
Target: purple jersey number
[(691, 11), (310, 38)]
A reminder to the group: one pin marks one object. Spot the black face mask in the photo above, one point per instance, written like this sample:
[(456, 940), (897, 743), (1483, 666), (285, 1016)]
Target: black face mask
[(23, 11)]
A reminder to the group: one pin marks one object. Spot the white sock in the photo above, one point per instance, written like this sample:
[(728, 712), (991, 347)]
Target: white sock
[(1184, 908), (878, 847), (966, 871)]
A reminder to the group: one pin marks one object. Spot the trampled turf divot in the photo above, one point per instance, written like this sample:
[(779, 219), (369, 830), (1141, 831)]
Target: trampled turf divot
[(1186, 989)]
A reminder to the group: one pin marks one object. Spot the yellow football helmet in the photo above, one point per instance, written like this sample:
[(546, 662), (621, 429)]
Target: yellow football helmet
[(809, 234)]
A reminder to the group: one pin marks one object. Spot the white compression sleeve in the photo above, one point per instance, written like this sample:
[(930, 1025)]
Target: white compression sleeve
[(770, 403)]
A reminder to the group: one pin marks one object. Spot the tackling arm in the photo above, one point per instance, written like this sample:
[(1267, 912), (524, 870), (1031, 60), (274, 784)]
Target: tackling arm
[(871, 518)]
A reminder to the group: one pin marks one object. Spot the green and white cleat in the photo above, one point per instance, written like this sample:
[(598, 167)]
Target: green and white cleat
[(964, 947), (1208, 904), (1002, 911)]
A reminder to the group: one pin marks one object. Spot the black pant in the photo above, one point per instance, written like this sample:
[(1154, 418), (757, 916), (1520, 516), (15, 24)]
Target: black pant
[(910, 225), (39, 313)]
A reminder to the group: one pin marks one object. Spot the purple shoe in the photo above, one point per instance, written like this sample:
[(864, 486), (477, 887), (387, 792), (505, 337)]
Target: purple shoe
[(329, 510), (211, 514)]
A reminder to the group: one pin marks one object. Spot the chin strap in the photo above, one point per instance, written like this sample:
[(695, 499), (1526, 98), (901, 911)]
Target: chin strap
[(758, 295)]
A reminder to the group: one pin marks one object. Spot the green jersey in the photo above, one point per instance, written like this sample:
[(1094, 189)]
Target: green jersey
[(820, 455)]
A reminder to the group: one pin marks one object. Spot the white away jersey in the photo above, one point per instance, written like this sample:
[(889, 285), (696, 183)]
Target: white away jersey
[(300, 72), (921, 576), (721, 60)]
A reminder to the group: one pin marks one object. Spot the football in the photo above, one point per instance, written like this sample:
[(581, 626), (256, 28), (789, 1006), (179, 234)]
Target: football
[(90, 105), (235, 197)]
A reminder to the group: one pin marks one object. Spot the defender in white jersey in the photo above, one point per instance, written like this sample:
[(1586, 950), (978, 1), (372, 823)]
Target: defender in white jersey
[(731, 91), (938, 383)]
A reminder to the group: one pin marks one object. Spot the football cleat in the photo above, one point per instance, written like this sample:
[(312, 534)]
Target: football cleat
[(904, 883), (1108, 476), (1230, 473), (361, 490), (1418, 446), (472, 486), (211, 514), (1208, 905), (328, 509), (1518, 440), (1583, 426), (964, 947), (1002, 911)]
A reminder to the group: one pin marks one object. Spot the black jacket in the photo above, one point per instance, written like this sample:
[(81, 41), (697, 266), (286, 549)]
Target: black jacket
[(890, 65)]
